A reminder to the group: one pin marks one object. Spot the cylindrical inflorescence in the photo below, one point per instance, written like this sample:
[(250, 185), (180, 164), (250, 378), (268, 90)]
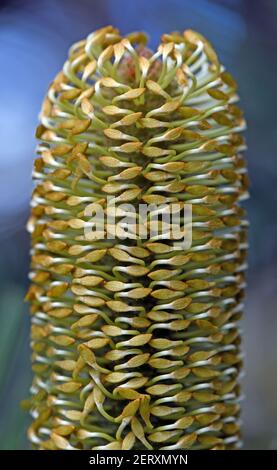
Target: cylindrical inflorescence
[(135, 341)]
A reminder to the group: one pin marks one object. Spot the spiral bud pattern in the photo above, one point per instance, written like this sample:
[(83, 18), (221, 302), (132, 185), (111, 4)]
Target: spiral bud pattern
[(136, 345)]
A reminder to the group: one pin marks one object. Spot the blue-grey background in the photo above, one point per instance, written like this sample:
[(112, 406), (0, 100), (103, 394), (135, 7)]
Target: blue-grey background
[(34, 39)]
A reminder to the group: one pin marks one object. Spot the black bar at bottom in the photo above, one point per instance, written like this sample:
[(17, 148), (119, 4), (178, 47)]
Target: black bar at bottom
[(127, 459)]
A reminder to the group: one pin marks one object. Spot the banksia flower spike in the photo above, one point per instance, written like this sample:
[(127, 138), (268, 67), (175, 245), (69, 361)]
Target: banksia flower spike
[(135, 342)]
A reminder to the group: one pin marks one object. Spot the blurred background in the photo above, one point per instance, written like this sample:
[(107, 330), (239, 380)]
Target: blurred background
[(35, 36)]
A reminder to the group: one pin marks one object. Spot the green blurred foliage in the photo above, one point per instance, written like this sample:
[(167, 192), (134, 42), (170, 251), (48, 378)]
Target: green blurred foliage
[(14, 376)]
